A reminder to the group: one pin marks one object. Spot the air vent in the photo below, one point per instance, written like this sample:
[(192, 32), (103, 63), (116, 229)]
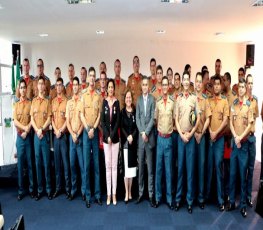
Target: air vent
[(175, 1), (258, 3), (74, 2)]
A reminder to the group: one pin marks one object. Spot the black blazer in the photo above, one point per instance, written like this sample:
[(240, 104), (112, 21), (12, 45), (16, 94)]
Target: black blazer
[(110, 128)]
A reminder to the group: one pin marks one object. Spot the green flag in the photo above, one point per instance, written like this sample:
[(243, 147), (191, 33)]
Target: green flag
[(13, 79), (17, 69)]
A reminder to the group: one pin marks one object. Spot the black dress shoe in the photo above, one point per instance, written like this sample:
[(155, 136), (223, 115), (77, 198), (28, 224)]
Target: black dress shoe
[(177, 206), (98, 201), (152, 202), (157, 203), (201, 205), (221, 207), (170, 206), (38, 197), (71, 197), (20, 197), (231, 207), (87, 203), (32, 195), (243, 212), (139, 200), (49, 196), (83, 197), (249, 203), (56, 194), (67, 195), (190, 209)]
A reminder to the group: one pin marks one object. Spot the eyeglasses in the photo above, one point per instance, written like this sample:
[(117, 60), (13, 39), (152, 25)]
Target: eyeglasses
[(22, 87), (39, 66)]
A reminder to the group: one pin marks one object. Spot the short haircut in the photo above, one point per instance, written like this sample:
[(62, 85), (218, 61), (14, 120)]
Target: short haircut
[(26, 60), (228, 76), (152, 60), (145, 78), (178, 75), (185, 73), (41, 78), (187, 66), (75, 79), (40, 59), (218, 60), (135, 57), (249, 75), (199, 74), (103, 73), (204, 68), (57, 68), (111, 81), (217, 78), (60, 79), (159, 67), (103, 63), (84, 68), (22, 81), (242, 80), (242, 69), (204, 73), (92, 69), (165, 78), (117, 60), (71, 65), (169, 68)]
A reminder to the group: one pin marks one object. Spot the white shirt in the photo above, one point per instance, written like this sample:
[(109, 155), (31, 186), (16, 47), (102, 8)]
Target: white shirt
[(145, 103)]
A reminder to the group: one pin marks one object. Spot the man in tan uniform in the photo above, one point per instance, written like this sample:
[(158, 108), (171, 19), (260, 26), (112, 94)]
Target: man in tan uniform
[(218, 68), (207, 84), (205, 116), (164, 115), (83, 77), (170, 75), (157, 89), (75, 128), (40, 72), (59, 125), (28, 79), (90, 117), (241, 74), (177, 85), (69, 85), (251, 139), (135, 79), (120, 84), (40, 119), (220, 113), (241, 120), (152, 78), (187, 118), (53, 89), (22, 122), (102, 68)]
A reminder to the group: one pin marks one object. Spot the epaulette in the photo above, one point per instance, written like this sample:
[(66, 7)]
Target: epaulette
[(47, 97), (204, 95), (254, 97), (16, 99), (159, 98), (130, 75), (97, 91), (248, 103), (153, 89), (84, 91), (67, 84), (29, 99), (123, 81), (32, 77), (192, 93), (180, 94), (69, 98), (235, 101), (191, 83), (234, 93), (223, 96), (46, 78), (52, 86), (97, 80), (171, 97)]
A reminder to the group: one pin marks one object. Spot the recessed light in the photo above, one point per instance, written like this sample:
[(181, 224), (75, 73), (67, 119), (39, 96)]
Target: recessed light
[(80, 1), (219, 33), (1, 7), (160, 31), (43, 35), (99, 32), (175, 1)]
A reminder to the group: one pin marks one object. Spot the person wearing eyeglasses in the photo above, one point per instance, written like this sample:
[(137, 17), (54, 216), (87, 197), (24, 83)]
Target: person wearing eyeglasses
[(40, 73), (22, 123)]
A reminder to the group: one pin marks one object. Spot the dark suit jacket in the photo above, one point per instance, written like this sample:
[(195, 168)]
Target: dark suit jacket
[(110, 127), (145, 123)]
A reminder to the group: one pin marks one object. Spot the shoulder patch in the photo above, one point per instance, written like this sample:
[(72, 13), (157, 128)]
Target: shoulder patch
[(153, 89), (234, 93), (223, 96), (248, 103), (171, 97), (254, 97), (16, 99), (130, 75), (204, 96), (159, 98), (97, 91), (46, 78), (84, 91), (180, 94), (47, 97), (193, 93), (235, 101), (123, 81), (32, 77)]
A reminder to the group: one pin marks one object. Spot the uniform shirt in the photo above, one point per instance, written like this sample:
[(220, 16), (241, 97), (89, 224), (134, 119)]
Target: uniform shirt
[(219, 108), (235, 88), (157, 92), (29, 87), (59, 111), (21, 112), (47, 86), (241, 115), (231, 96), (205, 111), (40, 110), (164, 114), (152, 83), (69, 89), (208, 91), (53, 92), (254, 105), (103, 95), (91, 106), (134, 84), (73, 110), (120, 88), (171, 90), (185, 104)]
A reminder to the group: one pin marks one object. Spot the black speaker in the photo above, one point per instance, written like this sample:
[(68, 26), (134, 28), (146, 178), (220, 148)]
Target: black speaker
[(15, 48), (250, 55)]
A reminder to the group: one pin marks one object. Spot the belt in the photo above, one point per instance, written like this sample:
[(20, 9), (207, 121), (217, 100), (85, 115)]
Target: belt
[(175, 131), (19, 132), (164, 135)]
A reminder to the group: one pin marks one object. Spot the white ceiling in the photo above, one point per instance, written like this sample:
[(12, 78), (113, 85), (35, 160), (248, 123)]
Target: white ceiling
[(23, 20)]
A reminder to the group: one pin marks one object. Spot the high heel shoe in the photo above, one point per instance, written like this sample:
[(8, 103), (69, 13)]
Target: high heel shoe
[(126, 200), (114, 201), (108, 200)]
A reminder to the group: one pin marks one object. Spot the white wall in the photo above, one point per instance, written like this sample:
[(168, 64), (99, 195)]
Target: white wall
[(174, 54)]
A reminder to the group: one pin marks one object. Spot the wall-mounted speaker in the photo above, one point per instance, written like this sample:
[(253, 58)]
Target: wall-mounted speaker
[(250, 55)]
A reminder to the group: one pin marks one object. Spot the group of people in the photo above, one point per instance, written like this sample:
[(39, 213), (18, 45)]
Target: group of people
[(180, 130)]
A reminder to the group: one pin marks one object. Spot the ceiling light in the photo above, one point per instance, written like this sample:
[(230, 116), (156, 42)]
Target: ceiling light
[(1, 7), (80, 1), (258, 3), (43, 35), (99, 32), (160, 31), (175, 1), (219, 33)]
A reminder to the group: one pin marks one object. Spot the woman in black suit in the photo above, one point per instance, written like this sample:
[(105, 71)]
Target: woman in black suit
[(110, 118), (129, 136)]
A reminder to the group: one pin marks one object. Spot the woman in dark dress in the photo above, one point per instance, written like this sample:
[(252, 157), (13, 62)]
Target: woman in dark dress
[(129, 138)]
